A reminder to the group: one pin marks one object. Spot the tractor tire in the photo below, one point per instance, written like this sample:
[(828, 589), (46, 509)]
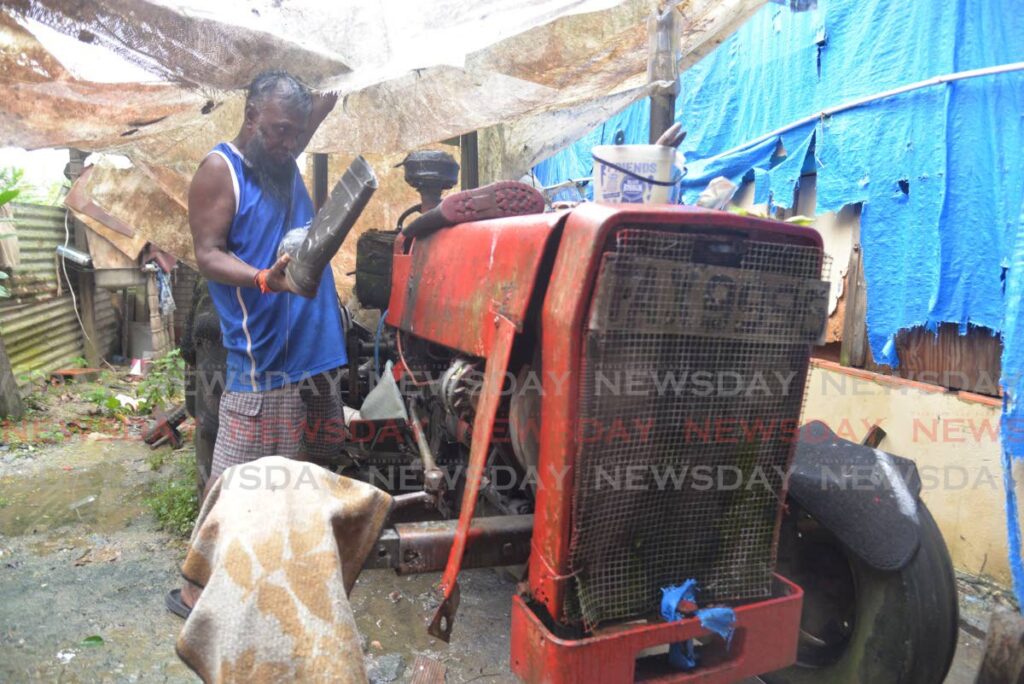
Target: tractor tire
[(205, 380), (863, 625)]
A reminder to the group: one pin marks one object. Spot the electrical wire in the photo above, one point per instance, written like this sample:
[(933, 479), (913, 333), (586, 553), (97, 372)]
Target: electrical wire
[(376, 344), (859, 102), (401, 357)]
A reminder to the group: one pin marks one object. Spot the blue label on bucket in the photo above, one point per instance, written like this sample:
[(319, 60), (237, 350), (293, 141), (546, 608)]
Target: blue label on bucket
[(620, 187), (633, 190)]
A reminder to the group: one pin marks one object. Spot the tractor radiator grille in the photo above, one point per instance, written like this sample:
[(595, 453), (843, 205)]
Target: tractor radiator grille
[(694, 368)]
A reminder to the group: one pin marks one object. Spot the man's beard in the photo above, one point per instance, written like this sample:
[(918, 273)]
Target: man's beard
[(271, 175)]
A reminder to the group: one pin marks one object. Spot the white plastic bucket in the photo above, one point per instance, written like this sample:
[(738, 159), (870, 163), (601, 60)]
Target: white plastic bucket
[(637, 174)]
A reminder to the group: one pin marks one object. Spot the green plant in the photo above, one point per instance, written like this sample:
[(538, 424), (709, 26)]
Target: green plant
[(164, 384), (175, 502), (51, 436), (10, 184), (14, 186), (157, 459), (108, 403), (799, 220)]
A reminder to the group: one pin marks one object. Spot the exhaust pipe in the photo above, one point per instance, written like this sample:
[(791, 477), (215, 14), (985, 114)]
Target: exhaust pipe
[(330, 227)]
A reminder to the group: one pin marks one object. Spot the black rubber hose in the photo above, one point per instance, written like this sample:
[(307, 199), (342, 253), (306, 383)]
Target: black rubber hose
[(407, 213)]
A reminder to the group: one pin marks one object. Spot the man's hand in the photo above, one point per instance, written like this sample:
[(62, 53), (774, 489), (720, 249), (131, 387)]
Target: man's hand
[(275, 278)]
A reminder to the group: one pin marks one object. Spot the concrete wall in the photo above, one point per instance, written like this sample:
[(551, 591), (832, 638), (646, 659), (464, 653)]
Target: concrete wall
[(952, 436)]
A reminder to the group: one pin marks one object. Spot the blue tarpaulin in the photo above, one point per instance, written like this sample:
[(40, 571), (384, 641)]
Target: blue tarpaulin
[(1012, 432), (938, 170), (935, 247)]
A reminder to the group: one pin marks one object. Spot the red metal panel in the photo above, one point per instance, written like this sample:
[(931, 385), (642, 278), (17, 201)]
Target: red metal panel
[(766, 638), (587, 230), (453, 283)]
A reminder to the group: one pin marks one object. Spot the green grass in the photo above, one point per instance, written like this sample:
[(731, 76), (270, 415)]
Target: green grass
[(174, 501), (157, 459)]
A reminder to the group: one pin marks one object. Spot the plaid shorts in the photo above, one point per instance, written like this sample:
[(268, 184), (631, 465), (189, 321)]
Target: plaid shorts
[(303, 421)]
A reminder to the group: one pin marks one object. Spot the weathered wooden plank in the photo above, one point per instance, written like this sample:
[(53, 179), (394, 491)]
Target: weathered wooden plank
[(1004, 650), (855, 330), (969, 362)]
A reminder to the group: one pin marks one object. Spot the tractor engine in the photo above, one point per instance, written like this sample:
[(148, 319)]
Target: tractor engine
[(615, 362)]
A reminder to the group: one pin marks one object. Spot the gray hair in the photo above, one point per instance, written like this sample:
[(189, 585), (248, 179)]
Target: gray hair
[(283, 87)]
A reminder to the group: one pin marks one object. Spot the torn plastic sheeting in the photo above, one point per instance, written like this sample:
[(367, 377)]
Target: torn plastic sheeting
[(202, 49), (719, 620), (419, 76), (510, 149), (1012, 432), (403, 65), (682, 655), (671, 597), (916, 273), (952, 144)]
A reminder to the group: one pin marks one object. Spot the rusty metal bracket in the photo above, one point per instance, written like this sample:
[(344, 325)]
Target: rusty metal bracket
[(418, 547), (483, 428), (444, 618)]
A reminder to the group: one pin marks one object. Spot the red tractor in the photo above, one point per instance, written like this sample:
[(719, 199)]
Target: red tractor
[(611, 396)]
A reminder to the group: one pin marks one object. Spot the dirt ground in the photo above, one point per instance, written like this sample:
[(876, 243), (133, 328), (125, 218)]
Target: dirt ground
[(84, 569)]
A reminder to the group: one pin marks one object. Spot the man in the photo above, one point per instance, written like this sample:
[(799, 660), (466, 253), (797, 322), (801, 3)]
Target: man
[(281, 347), (284, 351)]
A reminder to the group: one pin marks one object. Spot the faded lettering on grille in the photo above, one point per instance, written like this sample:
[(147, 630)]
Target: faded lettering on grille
[(645, 294)]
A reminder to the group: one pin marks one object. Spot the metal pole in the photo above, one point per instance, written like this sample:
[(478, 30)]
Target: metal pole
[(470, 161), (86, 281), (319, 179)]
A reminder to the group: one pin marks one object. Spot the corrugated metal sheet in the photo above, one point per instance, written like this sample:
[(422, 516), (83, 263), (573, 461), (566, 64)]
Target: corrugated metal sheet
[(39, 327), (39, 230), (40, 336)]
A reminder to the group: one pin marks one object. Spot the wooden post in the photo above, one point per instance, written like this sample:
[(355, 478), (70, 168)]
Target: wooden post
[(10, 396), (470, 161), (86, 290), (1004, 650), (853, 350), (663, 65)]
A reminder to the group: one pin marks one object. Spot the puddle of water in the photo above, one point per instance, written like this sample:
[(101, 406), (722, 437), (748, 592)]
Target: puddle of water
[(97, 497), (58, 542)]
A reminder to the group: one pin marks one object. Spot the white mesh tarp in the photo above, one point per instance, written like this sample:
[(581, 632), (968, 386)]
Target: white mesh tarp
[(162, 82), (410, 72)]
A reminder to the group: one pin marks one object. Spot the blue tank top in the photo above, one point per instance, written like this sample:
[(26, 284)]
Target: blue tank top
[(272, 339)]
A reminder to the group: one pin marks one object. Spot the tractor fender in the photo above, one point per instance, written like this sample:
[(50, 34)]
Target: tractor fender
[(866, 497)]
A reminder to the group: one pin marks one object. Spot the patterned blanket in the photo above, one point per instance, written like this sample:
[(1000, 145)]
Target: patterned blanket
[(277, 549)]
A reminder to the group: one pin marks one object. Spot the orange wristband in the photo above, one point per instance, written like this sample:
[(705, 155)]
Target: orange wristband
[(261, 281)]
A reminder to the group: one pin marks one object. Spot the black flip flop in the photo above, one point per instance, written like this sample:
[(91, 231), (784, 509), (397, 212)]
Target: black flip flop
[(176, 605)]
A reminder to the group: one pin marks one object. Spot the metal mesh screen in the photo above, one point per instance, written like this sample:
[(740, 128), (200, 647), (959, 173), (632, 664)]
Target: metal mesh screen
[(694, 369)]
